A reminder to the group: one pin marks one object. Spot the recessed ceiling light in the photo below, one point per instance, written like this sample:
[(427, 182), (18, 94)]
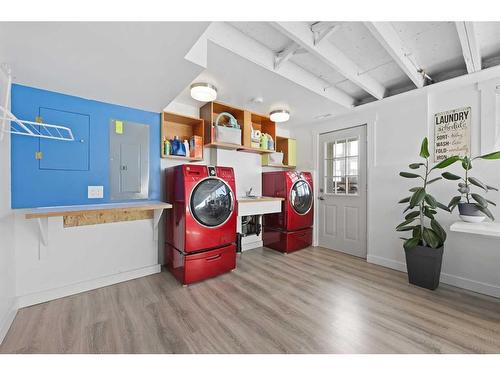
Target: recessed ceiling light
[(279, 115), (203, 92)]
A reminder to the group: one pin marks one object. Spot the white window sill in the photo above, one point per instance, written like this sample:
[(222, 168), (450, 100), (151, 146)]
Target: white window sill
[(484, 229)]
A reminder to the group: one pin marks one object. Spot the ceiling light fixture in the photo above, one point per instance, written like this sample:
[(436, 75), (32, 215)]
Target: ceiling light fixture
[(279, 115), (203, 92)]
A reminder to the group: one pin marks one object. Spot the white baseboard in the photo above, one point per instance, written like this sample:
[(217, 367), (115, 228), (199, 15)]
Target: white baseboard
[(7, 320), (475, 286), (458, 281), (64, 291), (386, 262)]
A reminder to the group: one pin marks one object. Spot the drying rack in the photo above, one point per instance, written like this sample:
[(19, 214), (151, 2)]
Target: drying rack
[(11, 124)]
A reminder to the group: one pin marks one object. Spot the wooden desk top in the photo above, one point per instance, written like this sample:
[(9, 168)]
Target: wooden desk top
[(41, 212)]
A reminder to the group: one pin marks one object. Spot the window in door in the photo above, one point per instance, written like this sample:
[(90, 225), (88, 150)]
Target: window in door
[(342, 167)]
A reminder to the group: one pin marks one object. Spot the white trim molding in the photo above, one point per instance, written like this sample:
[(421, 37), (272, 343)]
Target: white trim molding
[(84, 286), (7, 321), (453, 280)]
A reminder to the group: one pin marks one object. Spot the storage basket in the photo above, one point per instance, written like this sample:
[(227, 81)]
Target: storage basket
[(276, 158), (227, 133)]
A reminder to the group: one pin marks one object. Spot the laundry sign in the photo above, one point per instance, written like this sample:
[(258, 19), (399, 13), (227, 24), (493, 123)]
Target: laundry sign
[(452, 133)]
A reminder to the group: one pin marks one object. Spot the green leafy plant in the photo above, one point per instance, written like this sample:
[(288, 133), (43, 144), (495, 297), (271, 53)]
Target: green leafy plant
[(468, 182), (420, 219)]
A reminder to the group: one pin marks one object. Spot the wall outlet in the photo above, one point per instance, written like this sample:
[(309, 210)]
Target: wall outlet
[(95, 192)]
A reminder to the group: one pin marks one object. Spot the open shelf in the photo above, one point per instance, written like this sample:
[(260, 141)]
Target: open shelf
[(224, 146), (288, 146), (184, 127), (232, 146), (279, 166), (246, 120), (185, 158), (254, 150)]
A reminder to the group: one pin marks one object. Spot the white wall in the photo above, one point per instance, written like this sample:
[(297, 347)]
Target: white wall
[(396, 127), (80, 258), (7, 239)]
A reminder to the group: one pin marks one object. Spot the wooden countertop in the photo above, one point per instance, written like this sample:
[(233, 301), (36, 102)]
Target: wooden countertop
[(259, 199), (41, 212)]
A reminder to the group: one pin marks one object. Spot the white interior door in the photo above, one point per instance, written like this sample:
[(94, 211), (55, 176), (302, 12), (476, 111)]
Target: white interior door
[(342, 191)]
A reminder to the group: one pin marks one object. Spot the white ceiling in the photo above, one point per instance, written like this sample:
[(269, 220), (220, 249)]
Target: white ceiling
[(136, 64), (434, 45), (488, 34), (143, 65)]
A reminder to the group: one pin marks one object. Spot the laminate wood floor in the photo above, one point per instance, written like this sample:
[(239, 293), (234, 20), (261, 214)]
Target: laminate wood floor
[(312, 301)]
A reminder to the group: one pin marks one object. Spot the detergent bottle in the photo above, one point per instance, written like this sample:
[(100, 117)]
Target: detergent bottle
[(263, 141), (270, 143)]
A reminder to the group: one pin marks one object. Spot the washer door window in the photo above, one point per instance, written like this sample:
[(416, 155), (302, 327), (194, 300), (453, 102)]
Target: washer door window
[(301, 197), (211, 202)]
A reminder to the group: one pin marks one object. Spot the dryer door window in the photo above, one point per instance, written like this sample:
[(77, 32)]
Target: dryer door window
[(301, 197), (211, 202)]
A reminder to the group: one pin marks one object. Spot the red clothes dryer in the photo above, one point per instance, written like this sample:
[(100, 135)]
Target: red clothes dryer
[(291, 229), (201, 226)]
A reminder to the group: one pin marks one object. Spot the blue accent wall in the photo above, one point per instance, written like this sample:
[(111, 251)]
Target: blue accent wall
[(33, 186)]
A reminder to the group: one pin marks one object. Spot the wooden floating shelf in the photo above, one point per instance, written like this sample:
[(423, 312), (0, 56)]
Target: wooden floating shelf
[(288, 146), (91, 214), (225, 146), (255, 150), (246, 119), (43, 212), (231, 146), (185, 158), (183, 127), (280, 166)]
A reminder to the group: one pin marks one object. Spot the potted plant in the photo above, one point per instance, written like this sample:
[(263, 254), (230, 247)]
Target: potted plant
[(472, 206), (424, 247)]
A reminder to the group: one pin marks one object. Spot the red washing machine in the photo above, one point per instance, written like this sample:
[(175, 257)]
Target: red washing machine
[(201, 226), (291, 229)]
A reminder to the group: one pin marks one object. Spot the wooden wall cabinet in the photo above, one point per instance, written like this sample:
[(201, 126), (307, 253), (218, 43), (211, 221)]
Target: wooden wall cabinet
[(288, 146), (184, 127), (246, 120)]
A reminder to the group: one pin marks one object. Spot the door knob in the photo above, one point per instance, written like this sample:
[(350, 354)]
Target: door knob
[(321, 198)]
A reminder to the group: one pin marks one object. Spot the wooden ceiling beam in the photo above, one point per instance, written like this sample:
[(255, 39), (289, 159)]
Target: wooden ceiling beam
[(322, 30), (470, 46), (385, 34), (301, 34), (285, 54)]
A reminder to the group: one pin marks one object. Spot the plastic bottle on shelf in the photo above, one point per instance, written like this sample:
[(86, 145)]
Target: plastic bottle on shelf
[(186, 147), (167, 147), (263, 141), (270, 142)]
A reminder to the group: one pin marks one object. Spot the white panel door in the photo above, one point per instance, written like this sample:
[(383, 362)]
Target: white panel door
[(342, 191)]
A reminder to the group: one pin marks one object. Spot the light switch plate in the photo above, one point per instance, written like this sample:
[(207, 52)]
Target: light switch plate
[(95, 192)]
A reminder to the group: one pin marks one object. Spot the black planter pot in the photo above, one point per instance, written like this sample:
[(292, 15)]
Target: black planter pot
[(424, 266), (469, 209)]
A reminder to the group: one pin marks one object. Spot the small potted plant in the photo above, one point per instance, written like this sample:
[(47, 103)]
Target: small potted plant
[(424, 246), (471, 206)]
